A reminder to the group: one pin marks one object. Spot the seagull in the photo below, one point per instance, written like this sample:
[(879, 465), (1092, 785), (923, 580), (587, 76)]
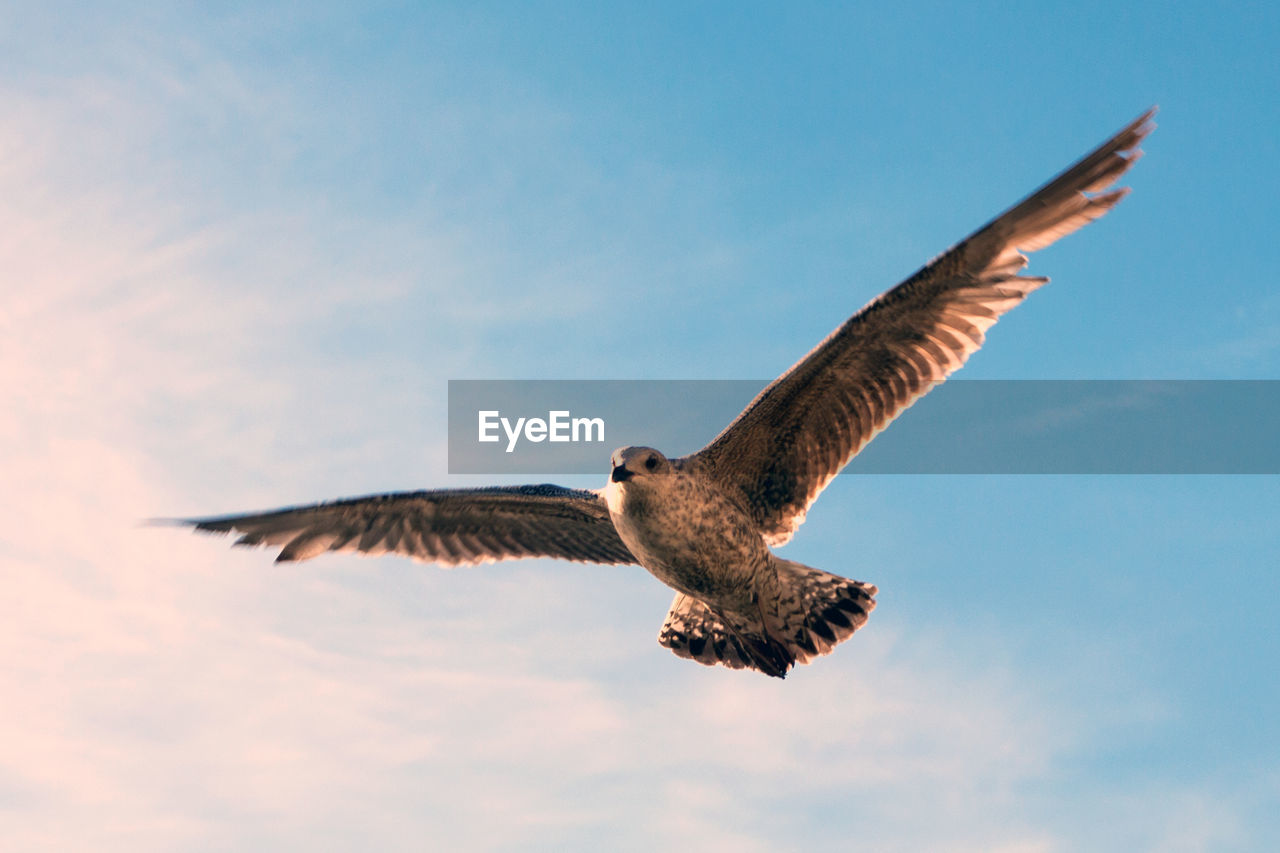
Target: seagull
[(705, 524)]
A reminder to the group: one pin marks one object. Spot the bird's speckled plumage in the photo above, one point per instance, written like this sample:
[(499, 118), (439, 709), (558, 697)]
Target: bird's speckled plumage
[(703, 524)]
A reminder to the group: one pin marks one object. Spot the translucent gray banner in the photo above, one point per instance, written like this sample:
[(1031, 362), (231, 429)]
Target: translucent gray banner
[(961, 427)]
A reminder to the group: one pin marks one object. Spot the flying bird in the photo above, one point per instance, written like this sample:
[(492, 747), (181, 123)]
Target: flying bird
[(704, 524)]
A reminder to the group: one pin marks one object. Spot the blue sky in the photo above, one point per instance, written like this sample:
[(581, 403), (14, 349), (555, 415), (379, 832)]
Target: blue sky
[(245, 249)]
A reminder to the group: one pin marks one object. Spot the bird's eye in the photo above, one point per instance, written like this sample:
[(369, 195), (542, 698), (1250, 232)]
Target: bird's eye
[(651, 463)]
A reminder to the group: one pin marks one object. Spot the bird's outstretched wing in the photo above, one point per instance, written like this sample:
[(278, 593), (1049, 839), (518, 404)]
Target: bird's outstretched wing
[(784, 448), (447, 526)]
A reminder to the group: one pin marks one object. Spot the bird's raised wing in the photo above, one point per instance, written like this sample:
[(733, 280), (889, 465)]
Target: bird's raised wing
[(447, 526), (800, 431)]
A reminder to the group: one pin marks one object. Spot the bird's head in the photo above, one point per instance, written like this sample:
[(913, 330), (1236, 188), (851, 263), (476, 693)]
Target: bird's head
[(637, 463)]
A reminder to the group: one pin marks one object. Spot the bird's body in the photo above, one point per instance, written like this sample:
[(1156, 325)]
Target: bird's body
[(687, 532), (704, 524), (691, 535)]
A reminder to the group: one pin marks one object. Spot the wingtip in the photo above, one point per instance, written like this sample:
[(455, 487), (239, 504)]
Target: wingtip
[(166, 522), (1141, 127)]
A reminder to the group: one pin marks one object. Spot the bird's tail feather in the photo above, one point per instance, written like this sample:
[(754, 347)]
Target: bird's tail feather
[(818, 610), (695, 631)]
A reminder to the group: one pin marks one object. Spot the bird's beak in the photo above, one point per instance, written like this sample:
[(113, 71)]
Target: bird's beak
[(621, 474)]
